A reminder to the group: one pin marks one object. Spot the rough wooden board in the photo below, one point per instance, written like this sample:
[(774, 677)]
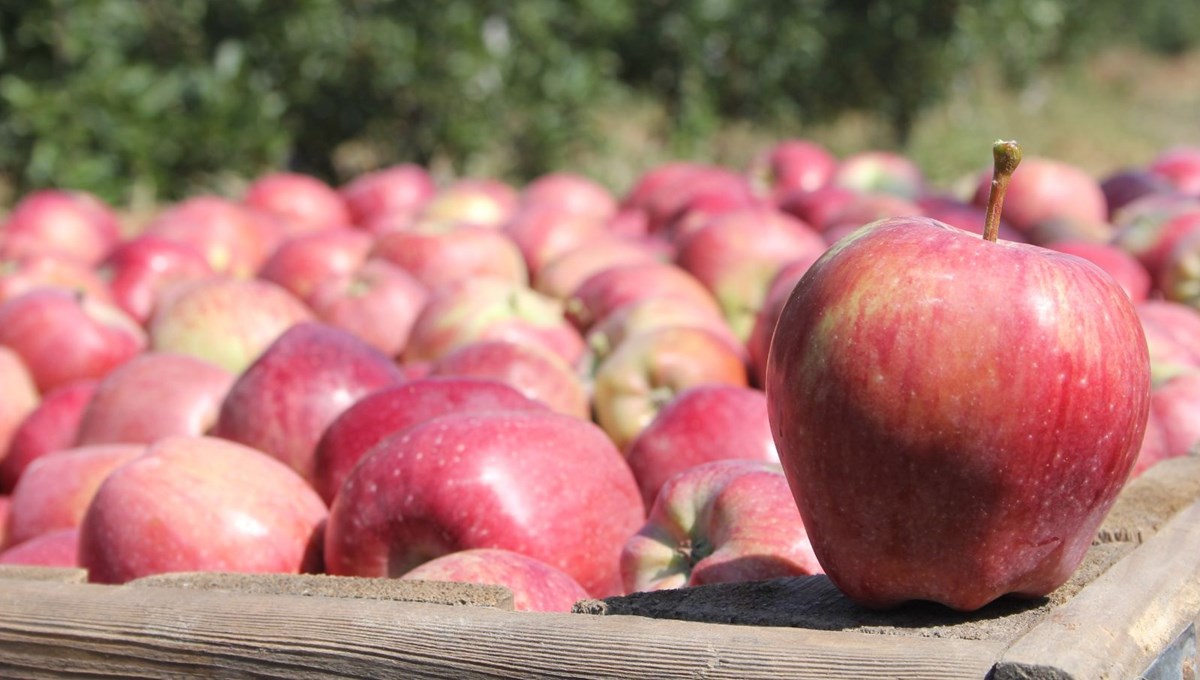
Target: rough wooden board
[(51, 630), (1152, 499), (1118, 625), (58, 574), (813, 602), (320, 585)]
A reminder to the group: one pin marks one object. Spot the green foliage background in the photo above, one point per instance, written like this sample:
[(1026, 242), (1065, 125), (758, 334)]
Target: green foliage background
[(170, 97)]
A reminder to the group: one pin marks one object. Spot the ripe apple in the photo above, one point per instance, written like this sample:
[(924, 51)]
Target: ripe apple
[(560, 276), (441, 257), (491, 309), (539, 483), (879, 172), (606, 290), (651, 313), (535, 585), (543, 233), (378, 303), (864, 209), (791, 165), (700, 425), (391, 409), (1180, 166), (304, 202), (22, 274), (725, 521), (224, 320), (74, 224), (1046, 188), (1129, 184), (965, 216), (20, 397), (234, 238), (154, 395), (398, 191), (943, 448), (303, 261), (142, 270), (51, 426), (1175, 404), (1173, 334), (702, 191), (815, 207), (645, 372), (62, 336), (1119, 264), (58, 548), (56, 489), (758, 345), (282, 403), (536, 373), (571, 193), (736, 255), (1150, 228), (200, 504), (477, 201)]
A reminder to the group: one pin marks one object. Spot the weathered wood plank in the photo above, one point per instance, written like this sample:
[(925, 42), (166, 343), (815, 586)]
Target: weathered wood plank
[(48, 630), (1119, 624), (1151, 500)]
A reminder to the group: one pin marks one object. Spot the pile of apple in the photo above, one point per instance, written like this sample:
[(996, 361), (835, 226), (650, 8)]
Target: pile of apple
[(548, 387)]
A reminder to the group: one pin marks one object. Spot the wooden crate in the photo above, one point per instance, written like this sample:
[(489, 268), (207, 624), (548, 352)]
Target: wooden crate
[(1129, 612)]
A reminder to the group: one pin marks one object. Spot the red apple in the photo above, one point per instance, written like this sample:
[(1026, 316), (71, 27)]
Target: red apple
[(544, 233), (791, 165), (560, 276), (200, 504), (1127, 185), (737, 254), (864, 209), (235, 239), (1119, 264), (490, 309), (440, 258), (1173, 334), (1176, 406), (53, 549), (387, 411), (62, 337), (476, 201), (539, 483), (655, 180), (154, 395), (965, 216), (226, 321), (1150, 228), (570, 193), (648, 314), (645, 372), (1045, 188), (535, 585), (943, 448), (394, 192), (536, 373), (815, 207), (74, 224), (51, 426), (703, 191), (304, 202), (23, 274), (142, 270), (303, 262), (20, 397), (726, 521), (378, 303), (1180, 166), (56, 489), (283, 401), (758, 345), (606, 290), (700, 425), (879, 172)]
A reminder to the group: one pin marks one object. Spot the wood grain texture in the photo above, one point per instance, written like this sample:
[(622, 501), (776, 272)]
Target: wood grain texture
[(1119, 624), (1152, 499), (52, 630)]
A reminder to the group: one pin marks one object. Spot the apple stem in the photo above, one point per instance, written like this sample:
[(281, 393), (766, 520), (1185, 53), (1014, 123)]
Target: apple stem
[(1006, 155)]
